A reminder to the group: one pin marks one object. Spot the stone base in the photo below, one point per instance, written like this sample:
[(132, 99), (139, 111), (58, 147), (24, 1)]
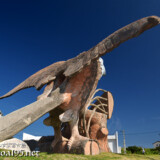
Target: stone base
[(14, 144)]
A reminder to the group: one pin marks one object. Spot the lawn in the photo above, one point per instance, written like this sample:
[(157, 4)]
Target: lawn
[(102, 156)]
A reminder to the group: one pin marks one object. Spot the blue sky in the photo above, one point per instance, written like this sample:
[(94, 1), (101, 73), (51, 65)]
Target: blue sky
[(35, 34)]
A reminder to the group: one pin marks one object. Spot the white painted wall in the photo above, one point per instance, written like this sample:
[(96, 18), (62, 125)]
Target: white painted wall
[(113, 143)]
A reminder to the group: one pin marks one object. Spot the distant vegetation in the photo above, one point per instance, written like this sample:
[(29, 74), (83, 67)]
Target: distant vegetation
[(138, 150)]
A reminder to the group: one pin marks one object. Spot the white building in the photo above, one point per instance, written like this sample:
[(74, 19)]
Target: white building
[(113, 143), (27, 137), (156, 144)]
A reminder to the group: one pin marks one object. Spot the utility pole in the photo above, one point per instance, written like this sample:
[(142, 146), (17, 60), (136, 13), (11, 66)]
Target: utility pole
[(124, 142)]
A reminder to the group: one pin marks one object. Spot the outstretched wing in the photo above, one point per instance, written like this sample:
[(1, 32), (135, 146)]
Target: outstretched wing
[(112, 41), (40, 78), (74, 65)]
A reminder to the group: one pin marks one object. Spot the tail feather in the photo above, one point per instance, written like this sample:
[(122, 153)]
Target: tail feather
[(14, 90), (40, 78)]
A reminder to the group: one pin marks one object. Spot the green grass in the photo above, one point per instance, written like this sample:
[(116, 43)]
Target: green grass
[(102, 156)]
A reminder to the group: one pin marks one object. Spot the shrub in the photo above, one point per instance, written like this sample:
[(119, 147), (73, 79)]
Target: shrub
[(134, 149), (158, 148), (152, 151)]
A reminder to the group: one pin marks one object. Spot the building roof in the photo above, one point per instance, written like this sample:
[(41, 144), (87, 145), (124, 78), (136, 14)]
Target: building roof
[(156, 142)]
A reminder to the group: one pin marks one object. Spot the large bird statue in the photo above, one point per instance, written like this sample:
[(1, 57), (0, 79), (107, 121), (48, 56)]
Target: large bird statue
[(78, 77)]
